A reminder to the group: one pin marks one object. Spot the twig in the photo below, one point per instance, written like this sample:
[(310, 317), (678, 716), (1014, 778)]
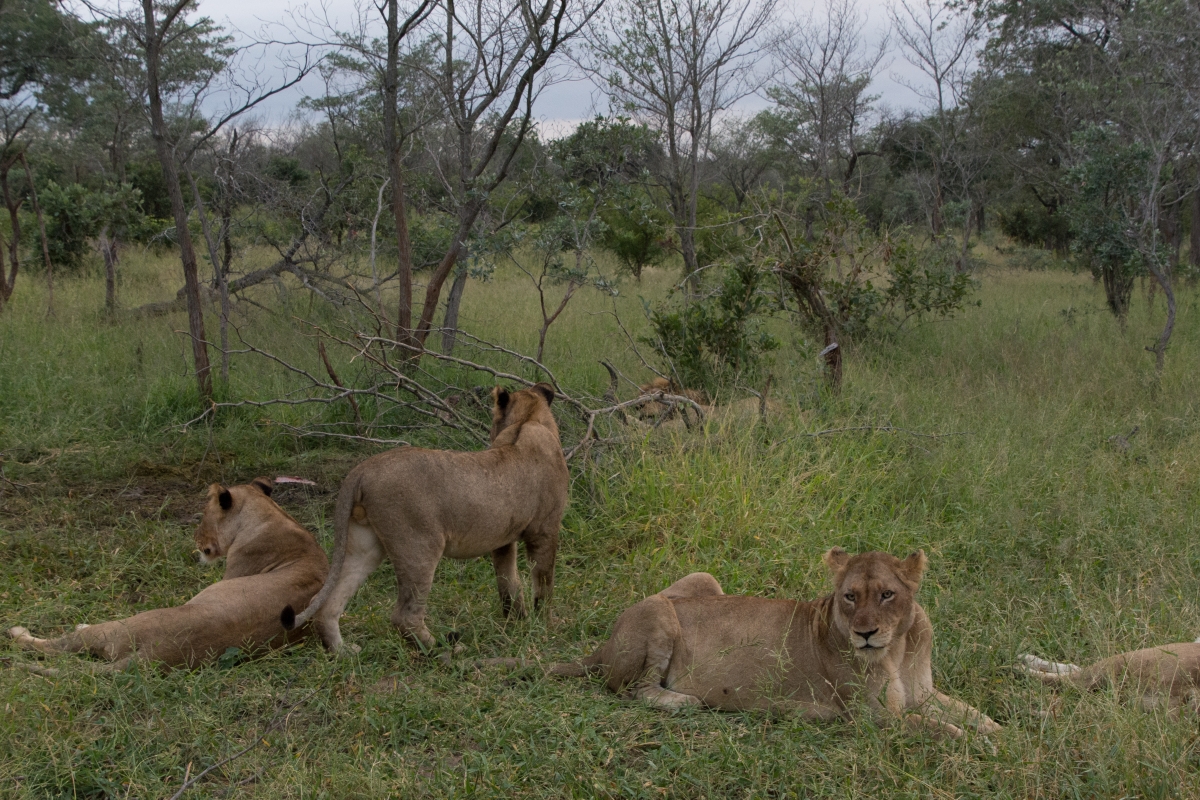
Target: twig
[(258, 739), (632, 343), (886, 429), (337, 382)]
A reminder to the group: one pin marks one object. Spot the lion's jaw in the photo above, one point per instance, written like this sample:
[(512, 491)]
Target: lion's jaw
[(874, 599)]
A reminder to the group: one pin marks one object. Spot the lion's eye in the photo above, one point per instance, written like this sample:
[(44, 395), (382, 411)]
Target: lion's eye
[(887, 594), (849, 597)]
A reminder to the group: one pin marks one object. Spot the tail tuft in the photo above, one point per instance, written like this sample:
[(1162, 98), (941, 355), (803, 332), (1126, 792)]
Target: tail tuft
[(288, 617)]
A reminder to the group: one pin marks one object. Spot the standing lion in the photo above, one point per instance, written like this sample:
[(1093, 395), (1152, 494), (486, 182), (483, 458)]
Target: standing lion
[(415, 506)]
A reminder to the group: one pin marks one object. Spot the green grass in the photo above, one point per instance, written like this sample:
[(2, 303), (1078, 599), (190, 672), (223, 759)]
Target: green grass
[(1041, 536)]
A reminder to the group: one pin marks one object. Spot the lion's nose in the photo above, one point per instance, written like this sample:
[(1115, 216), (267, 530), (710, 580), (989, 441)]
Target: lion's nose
[(866, 635)]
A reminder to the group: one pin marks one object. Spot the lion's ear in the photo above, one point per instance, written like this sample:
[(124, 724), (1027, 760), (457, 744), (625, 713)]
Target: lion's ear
[(265, 484), (545, 390), (913, 567), (225, 499), (500, 397), (836, 559)]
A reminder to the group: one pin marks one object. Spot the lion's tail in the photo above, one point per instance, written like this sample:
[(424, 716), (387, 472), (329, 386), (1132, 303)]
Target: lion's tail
[(348, 496)]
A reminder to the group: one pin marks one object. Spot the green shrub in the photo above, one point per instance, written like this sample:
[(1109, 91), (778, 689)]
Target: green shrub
[(716, 341)]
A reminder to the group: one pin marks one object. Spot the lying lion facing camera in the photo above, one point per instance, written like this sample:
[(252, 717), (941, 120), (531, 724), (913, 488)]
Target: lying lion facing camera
[(690, 644), (273, 566)]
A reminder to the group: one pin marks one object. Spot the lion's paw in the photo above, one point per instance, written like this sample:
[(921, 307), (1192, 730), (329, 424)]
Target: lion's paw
[(17, 632)]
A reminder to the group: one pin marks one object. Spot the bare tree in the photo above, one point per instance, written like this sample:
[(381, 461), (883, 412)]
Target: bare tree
[(942, 42), (181, 65), (675, 65), (493, 58), (741, 154), (826, 69)]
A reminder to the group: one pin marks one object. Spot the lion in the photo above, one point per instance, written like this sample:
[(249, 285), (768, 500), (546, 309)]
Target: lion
[(867, 643), (1156, 676), (416, 506), (272, 567)]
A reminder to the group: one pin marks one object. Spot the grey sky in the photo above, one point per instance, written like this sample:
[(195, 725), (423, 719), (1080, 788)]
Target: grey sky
[(564, 104)]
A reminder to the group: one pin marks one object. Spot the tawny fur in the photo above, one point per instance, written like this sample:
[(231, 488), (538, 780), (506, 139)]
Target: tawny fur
[(416, 506), (690, 644), (271, 563), (747, 410), (1168, 675)]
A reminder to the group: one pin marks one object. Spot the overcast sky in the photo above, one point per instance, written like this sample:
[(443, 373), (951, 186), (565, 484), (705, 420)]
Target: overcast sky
[(563, 105)]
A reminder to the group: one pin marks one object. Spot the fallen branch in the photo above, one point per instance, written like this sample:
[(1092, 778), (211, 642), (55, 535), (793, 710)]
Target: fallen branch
[(662, 397)]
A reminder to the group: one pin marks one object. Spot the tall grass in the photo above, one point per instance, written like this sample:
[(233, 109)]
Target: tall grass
[(1042, 535)]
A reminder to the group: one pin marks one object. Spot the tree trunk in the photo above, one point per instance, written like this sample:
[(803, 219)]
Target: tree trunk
[(453, 303), (108, 249), (812, 304), (935, 218), (433, 292), (391, 90), (1160, 348), (14, 252), (1118, 288), (961, 266), (166, 158), (1194, 244), (41, 221), (218, 277)]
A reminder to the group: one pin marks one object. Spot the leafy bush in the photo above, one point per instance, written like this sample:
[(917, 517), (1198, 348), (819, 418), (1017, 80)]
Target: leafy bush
[(920, 281), (1035, 225), (74, 214), (718, 340), (637, 233), (70, 221), (1106, 182)]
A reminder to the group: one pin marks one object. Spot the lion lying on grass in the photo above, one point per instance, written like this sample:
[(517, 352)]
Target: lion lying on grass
[(1167, 674), (867, 643), (417, 506), (272, 566)]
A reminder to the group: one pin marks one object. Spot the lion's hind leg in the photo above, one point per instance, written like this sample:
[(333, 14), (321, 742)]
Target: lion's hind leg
[(508, 581), (1046, 671), (697, 584)]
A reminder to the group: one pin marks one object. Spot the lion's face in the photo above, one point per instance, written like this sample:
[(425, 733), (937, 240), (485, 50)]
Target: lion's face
[(874, 598), (218, 526), (512, 409)]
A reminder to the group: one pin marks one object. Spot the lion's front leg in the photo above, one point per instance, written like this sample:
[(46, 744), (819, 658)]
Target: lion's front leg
[(662, 697), (962, 713), (24, 639), (109, 640)]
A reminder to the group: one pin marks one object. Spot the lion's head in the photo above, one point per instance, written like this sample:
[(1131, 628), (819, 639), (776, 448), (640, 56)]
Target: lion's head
[(225, 514), (511, 410), (874, 598)]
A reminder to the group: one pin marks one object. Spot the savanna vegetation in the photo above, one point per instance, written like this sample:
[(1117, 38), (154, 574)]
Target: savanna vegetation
[(910, 329)]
